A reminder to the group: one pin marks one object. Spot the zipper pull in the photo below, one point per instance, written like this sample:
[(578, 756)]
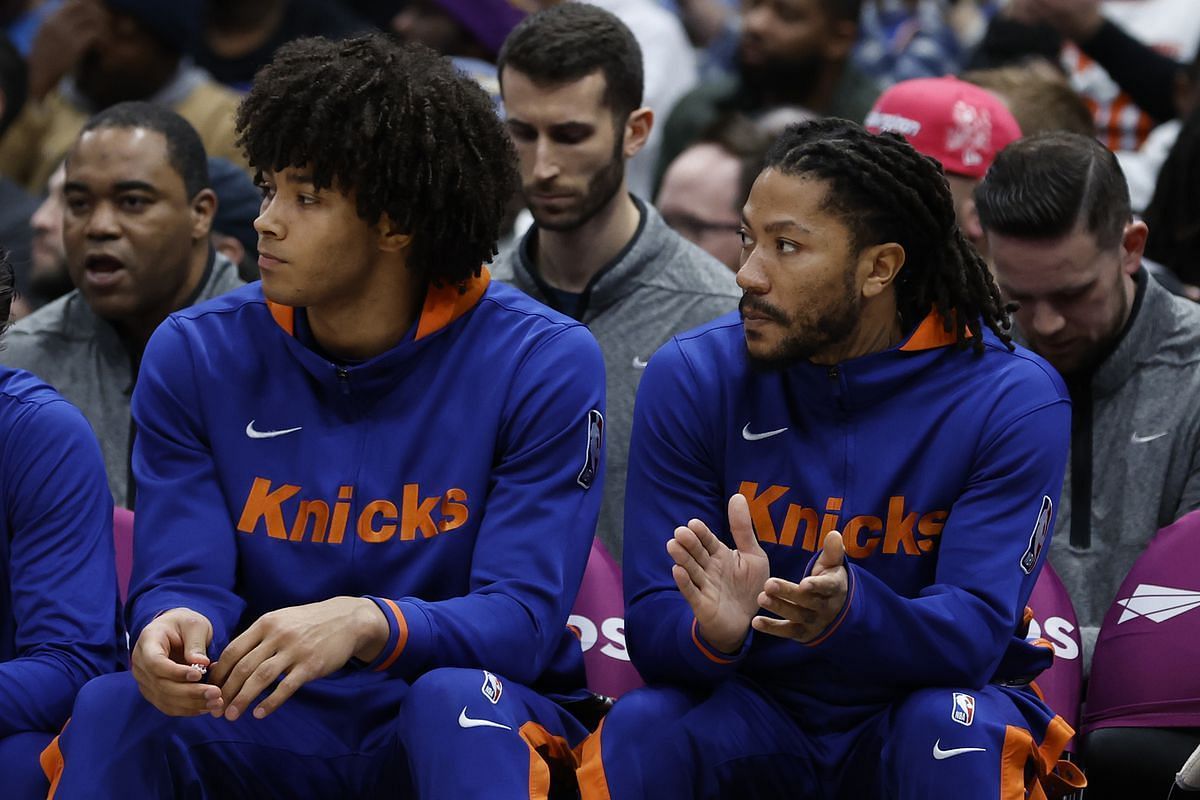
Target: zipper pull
[(344, 379)]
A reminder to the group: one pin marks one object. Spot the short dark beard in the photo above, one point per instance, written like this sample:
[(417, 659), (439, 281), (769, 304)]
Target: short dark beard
[(601, 189), (776, 80), (831, 328), (50, 285)]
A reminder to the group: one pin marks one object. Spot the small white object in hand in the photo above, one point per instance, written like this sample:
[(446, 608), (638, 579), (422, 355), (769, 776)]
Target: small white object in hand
[(203, 669)]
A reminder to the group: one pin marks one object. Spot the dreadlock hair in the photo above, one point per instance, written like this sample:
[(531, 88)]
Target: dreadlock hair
[(8, 288), (395, 123), (885, 191)]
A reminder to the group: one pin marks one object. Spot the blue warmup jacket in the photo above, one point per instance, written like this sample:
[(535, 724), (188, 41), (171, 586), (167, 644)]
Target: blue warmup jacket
[(939, 466), (59, 619), (455, 479)]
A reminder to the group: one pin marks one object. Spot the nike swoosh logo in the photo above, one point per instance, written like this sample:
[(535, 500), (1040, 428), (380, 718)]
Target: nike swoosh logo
[(1143, 439), (466, 722), (940, 754), (253, 434), (638, 363), (754, 437)]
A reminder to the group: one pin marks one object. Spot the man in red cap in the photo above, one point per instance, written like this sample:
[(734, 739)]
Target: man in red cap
[(957, 123)]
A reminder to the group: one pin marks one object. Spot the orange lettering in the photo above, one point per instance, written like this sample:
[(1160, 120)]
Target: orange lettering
[(855, 547), (760, 504), (900, 528), (417, 514), (791, 525), (318, 512), (931, 525), (341, 514), (366, 521), (830, 521), (266, 505), (454, 510)]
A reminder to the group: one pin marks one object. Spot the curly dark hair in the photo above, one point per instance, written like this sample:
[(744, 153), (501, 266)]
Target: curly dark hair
[(885, 191), (399, 126)]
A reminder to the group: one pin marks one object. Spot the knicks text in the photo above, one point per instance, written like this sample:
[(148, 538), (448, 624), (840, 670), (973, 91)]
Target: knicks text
[(894, 531), (379, 520)]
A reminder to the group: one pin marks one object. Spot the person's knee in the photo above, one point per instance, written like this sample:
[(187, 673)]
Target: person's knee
[(106, 697)]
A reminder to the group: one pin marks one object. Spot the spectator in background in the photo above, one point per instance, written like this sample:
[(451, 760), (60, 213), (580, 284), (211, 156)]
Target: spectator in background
[(238, 204), (1128, 349), (58, 582), (136, 233), (957, 124), (572, 83), (92, 54), (16, 205), (1174, 211), (469, 31), (1125, 59), (904, 39), (241, 35), (1039, 96), (791, 53), (49, 278), (704, 189)]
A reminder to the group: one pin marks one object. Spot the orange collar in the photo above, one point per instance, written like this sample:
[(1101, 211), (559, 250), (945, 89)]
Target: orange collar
[(931, 334), (443, 305)]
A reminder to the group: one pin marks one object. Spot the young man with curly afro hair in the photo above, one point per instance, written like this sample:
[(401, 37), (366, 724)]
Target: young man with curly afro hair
[(369, 483)]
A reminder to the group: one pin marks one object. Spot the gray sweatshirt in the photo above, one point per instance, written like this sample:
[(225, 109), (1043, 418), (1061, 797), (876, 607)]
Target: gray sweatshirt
[(1140, 413), (65, 344), (658, 286)]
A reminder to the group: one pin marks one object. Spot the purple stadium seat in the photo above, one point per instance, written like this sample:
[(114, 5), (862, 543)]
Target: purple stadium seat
[(123, 540), (599, 620), (1144, 672), (1054, 620)]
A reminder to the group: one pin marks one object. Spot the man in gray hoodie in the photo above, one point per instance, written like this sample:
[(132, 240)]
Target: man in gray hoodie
[(137, 218), (571, 80), (1056, 211)]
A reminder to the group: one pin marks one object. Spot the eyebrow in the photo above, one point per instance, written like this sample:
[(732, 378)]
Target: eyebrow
[(300, 177), (784, 225)]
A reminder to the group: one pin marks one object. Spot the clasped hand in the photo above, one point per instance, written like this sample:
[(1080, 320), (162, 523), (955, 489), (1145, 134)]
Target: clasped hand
[(727, 587), (297, 644)]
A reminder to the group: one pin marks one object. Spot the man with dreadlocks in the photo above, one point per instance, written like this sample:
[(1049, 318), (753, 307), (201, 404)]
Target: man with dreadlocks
[(368, 484), (889, 459)]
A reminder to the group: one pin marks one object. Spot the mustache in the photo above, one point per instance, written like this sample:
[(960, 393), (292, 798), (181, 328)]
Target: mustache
[(763, 309)]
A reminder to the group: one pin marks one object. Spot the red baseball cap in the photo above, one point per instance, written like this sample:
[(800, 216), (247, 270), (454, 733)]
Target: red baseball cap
[(958, 123)]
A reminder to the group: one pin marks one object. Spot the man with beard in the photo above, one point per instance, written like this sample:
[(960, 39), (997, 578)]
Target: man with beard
[(1128, 349), (92, 54), (889, 459), (792, 53), (48, 276), (571, 80)]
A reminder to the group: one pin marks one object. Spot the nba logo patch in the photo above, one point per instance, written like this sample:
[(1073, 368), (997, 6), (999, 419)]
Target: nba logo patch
[(964, 709), (591, 458), (492, 687), (1037, 538)]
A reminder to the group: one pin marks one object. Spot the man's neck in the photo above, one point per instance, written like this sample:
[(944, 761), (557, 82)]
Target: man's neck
[(568, 260), (878, 329), (372, 319)]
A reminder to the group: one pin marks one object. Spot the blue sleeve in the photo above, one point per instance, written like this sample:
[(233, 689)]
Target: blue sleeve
[(671, 479), (64, 583), (538, 523), (955, 631), (173, 567)]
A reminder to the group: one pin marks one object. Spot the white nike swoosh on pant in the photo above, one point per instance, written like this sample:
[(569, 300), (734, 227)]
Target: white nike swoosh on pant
[(466, 722), (940, 754), (254, 434), (754, 437)]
